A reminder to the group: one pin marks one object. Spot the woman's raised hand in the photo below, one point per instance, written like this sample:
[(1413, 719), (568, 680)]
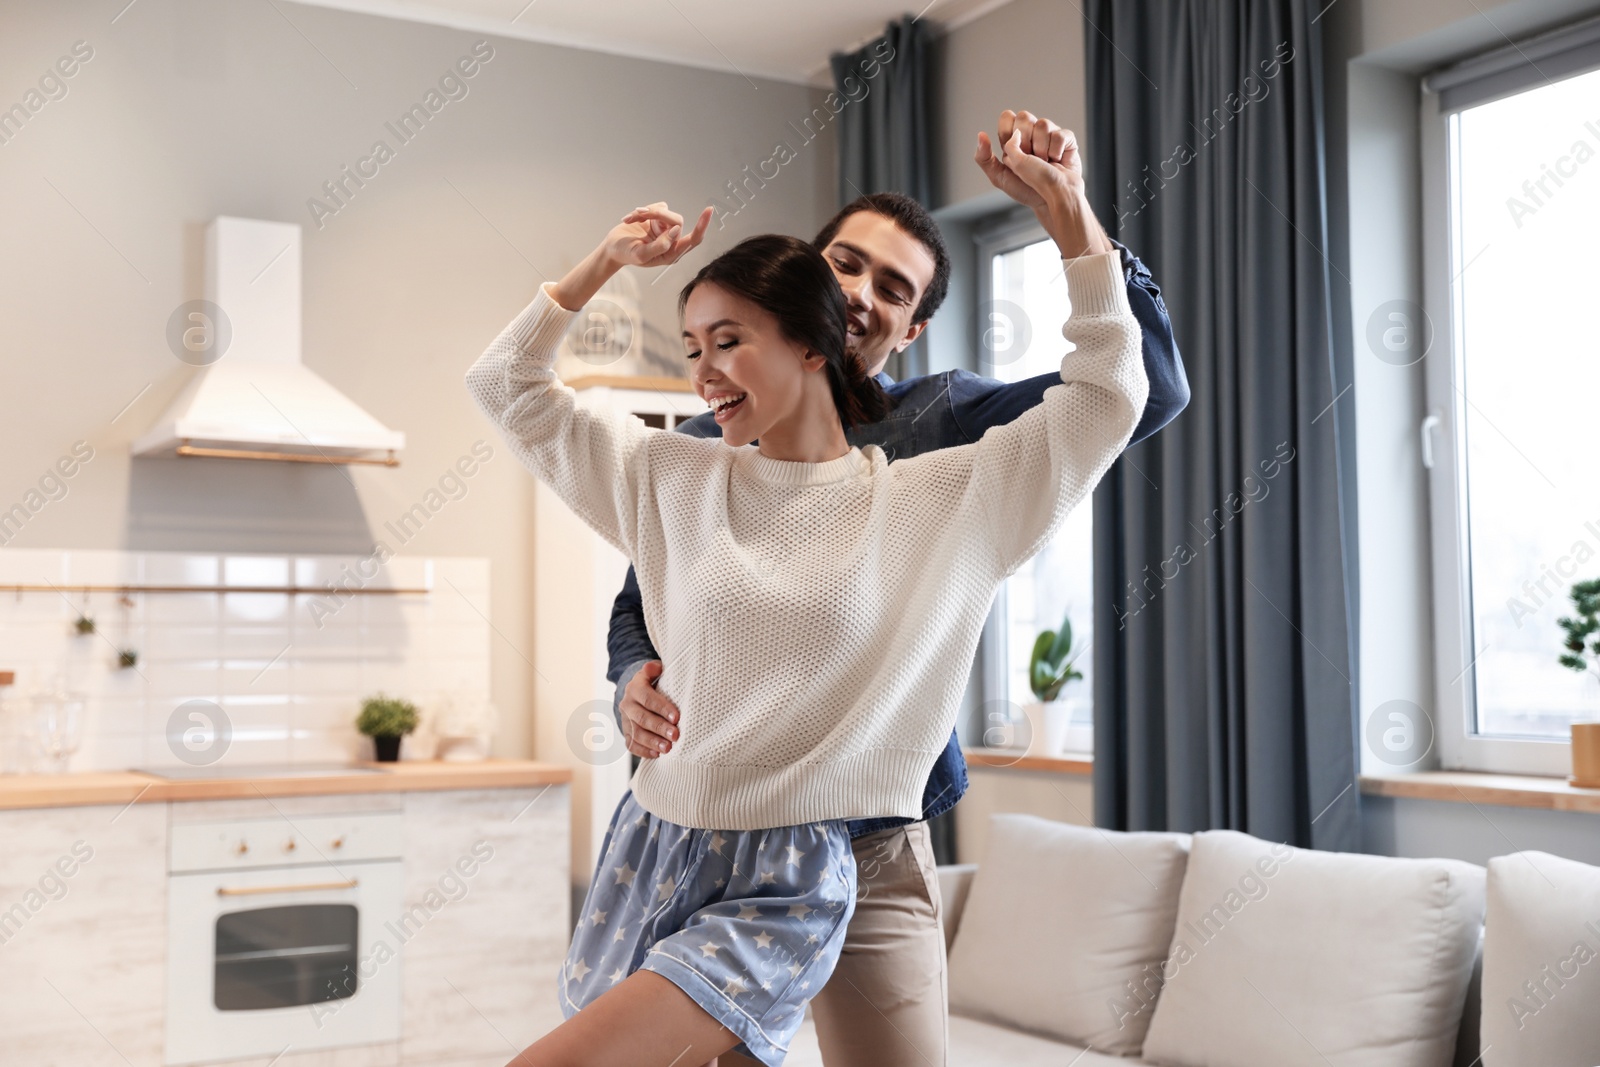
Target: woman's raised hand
[(646, 237), (653, 236)]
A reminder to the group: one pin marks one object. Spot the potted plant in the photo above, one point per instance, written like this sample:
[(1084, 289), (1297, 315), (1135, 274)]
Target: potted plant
[(386, 720), (1050, 668), (1585, 735)]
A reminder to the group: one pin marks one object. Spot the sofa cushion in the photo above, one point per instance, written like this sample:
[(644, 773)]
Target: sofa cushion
[(1064, 930), (955, 879), (1541, 962), (1288, 955), (974, 1043)]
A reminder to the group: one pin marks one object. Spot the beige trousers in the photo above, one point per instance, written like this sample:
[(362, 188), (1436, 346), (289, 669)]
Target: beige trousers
[(885, 1004)]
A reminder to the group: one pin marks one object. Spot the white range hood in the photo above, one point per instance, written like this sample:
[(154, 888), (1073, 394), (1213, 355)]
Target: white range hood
[(257, 400)]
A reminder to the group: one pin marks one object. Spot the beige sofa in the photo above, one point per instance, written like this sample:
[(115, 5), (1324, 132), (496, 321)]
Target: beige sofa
[(1090, 948)]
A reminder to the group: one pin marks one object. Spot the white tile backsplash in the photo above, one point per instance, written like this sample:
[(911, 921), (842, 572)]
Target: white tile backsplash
[(288, 672)]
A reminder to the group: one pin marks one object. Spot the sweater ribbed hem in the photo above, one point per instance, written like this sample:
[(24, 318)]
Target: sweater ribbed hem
[(1095, 285), (878, 783), (797, 472)]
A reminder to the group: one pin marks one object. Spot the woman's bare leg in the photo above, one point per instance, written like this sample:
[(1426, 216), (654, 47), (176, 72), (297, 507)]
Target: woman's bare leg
[(642, 1021)]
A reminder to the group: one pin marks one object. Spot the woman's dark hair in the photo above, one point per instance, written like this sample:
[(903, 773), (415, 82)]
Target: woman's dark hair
[(791, 281)]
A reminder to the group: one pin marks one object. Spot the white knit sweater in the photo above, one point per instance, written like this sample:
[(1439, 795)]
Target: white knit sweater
[(816, 621)]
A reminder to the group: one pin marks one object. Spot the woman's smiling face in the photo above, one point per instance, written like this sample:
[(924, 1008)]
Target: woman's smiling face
[(741, 363)]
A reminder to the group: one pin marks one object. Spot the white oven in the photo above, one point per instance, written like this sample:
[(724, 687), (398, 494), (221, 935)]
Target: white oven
[(282, 935)]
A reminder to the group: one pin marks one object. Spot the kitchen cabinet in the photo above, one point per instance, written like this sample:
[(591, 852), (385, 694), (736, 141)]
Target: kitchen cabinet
[(83, 916), (481, 933), (488, 914)]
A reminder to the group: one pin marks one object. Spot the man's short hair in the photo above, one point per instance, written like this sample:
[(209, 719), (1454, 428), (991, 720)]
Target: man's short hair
[(914, 219)]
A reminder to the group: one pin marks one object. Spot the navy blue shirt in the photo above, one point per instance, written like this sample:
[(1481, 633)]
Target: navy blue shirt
[(928, 413)]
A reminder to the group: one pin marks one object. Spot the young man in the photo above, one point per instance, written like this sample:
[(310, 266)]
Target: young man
[(885, 1004)]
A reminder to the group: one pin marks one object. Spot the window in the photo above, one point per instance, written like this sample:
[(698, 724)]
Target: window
[(1513, 202), (1022, 306)]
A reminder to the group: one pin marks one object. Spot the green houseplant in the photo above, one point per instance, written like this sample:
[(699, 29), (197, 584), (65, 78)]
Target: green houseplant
[(1050, 668), (1586, 598), (386, 720)]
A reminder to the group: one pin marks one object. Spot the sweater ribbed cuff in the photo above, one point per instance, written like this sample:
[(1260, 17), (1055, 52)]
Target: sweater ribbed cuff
[(1095, 285), (538, 329)]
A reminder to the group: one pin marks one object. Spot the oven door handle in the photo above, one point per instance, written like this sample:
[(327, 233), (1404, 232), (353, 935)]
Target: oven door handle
[(304, 887)]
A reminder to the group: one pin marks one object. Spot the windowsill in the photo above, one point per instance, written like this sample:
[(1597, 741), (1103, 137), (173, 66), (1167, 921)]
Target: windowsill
[(1020, 760), (1460, 787), (1477, 787)]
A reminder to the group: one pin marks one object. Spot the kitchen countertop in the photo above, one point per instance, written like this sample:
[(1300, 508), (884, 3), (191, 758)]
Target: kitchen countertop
[(129, 787)]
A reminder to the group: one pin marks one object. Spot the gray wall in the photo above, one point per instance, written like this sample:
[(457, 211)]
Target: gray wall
[(191, 109), (1028, 55)]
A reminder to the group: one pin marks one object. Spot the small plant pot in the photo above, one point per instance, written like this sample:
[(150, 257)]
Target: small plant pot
[(387, 749), (1585, 755)]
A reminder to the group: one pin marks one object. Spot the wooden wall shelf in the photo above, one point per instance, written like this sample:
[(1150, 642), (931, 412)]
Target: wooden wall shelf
[(632, 381)]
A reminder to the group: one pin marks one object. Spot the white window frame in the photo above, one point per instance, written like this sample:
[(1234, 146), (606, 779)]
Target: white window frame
[(1443, 430)]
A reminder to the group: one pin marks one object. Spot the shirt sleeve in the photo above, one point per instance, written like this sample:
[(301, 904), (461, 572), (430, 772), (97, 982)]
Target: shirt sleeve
[(1163, 363), (628, 637), (977, 403), (592, 459), (1030, 473)]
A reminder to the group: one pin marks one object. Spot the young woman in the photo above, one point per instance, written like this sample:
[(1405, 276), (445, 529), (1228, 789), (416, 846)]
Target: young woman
[(796, 634)]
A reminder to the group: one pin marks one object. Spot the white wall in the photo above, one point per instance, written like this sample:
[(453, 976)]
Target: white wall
[(188, 109)]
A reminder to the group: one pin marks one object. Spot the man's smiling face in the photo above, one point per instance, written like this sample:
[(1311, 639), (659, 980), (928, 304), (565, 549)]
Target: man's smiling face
[(883, 271)]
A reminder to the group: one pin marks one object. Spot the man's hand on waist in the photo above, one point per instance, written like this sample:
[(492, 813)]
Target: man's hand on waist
[(649, 720)]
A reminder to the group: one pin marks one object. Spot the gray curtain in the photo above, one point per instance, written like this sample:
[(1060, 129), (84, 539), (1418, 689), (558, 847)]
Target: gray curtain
[(883, 133), (1225, 678)]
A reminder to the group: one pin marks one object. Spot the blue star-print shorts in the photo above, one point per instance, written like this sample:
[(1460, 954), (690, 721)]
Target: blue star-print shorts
[(748, 923)]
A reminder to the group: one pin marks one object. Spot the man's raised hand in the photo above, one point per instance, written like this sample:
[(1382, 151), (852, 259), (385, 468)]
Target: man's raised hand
[(1038, 164)]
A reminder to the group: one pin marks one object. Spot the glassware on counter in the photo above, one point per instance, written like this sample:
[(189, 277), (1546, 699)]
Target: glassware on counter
[(58, 713)]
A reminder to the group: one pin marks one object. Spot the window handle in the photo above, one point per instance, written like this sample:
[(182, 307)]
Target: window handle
[(1430, 423)]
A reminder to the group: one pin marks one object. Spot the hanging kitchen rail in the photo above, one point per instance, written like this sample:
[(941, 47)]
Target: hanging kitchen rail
[(292, 590)]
